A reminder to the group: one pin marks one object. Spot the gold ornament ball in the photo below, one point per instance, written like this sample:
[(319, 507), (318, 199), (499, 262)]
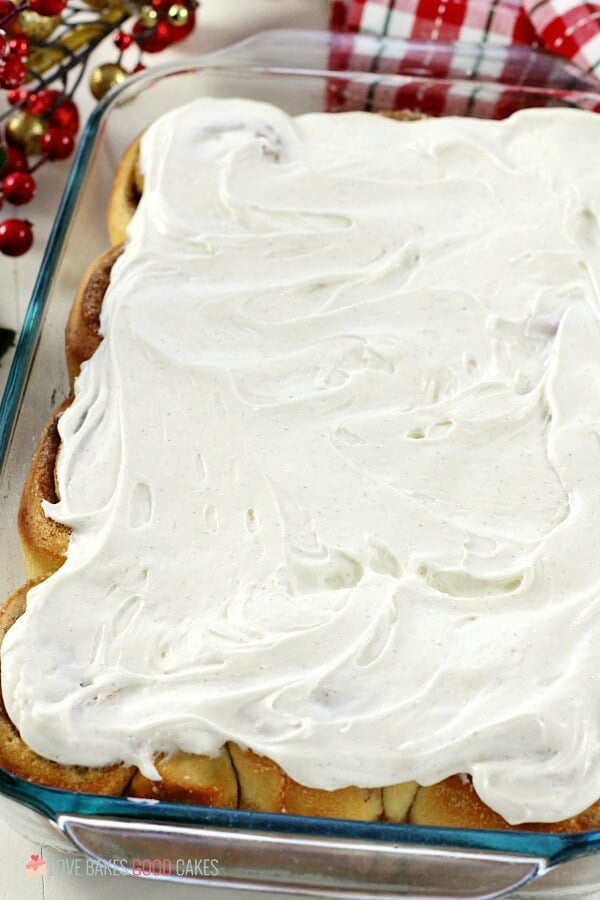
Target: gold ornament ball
[(148, 16), (178, 15), (37, 28), (25, 132), (106, 77)]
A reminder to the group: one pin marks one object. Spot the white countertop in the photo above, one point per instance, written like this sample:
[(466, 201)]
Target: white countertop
[(221, 22)]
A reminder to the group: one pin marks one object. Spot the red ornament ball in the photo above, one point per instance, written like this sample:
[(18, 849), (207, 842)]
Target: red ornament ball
[(42, 102), (16, 237), (2, 42), (122, 41), (161, 5), (47, 7), (16, 161), (57, 143), (66, 116), (12, 72), (18, 187)]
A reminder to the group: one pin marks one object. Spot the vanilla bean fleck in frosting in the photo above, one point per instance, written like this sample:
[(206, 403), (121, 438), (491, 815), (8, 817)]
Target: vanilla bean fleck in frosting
[(333, 475)]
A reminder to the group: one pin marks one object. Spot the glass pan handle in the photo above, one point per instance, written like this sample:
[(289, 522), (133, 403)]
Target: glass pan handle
[(300, 864)]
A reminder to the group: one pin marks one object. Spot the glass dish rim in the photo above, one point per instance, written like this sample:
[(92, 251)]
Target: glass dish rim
[(52, 803)]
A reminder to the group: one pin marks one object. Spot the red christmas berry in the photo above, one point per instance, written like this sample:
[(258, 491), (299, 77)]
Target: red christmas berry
[(16, 161), (57, 143), (12, 72), (66, 115), (47, 7), (122, 40), (18, 188), (140, 68), (16, 237), (42, 102), (162, 5), (2, 42), (19, 46), (18, 95), (155, 39)]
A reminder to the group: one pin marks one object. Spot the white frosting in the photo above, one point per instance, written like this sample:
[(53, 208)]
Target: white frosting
[(334, 473)]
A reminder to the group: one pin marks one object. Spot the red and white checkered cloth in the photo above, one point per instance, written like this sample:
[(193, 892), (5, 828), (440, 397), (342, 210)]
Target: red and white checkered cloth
[(499, 29)]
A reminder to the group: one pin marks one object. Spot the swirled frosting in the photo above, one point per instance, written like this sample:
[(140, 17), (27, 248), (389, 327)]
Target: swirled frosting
[(333, 476)]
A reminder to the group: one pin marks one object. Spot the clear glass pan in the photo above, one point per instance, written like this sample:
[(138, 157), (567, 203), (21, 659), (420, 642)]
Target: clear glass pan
[(261, 851)]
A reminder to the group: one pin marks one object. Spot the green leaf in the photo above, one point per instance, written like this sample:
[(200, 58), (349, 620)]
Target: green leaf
[(2, 157)]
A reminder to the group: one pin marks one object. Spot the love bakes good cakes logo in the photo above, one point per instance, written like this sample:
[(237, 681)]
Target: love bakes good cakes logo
[(36, 866), (65, 866)]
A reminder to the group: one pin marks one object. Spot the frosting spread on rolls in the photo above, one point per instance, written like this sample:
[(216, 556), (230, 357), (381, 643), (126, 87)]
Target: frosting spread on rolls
[(333, 476)]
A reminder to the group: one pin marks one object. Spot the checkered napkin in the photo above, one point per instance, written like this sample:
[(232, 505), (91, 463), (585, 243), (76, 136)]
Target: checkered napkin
[(484, 46)]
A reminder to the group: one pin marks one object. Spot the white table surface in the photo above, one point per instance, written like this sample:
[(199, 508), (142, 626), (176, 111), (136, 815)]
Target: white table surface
[(221, 22)]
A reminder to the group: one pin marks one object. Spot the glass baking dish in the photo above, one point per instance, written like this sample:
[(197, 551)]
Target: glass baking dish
[(319, 857)]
